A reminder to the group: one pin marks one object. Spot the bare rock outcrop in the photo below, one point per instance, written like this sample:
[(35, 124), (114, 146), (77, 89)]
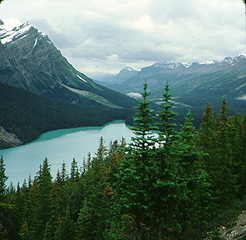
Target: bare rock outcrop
[(8, 139)]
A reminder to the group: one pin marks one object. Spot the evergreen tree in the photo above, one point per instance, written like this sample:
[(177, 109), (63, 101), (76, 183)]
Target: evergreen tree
[(74, 171), (143, 125), (65, 228), (3, 178), (195, 202), (164, 200), (215, 139), (24, 232), (39, 202), (135, 177), (238, 134), (92, 219), (62, 175)]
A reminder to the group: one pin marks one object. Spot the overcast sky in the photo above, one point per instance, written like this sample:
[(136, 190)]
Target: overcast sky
[(107, 35)]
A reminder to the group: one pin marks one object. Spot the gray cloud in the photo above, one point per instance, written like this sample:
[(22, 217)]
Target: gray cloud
[(102, 35)]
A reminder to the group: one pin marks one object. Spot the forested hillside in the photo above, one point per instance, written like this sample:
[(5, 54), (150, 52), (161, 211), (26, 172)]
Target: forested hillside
[(170, 185), (27, 115)]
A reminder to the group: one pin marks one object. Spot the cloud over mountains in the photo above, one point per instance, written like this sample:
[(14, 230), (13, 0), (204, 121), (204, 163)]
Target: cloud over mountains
[(105, 36)]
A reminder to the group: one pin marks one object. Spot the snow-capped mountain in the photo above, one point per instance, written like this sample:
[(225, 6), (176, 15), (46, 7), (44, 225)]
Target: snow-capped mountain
[(29, 60), (124, 74), (209, 65), (197, 81)]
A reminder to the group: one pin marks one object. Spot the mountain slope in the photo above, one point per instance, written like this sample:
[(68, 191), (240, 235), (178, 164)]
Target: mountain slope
[(195, 83), (25, 115), (29, 60)]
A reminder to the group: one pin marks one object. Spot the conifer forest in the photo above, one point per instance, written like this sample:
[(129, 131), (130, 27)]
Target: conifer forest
[(169, 183)]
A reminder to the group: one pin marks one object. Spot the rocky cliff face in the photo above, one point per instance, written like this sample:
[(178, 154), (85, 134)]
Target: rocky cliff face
[(8, 139), (29, 60)]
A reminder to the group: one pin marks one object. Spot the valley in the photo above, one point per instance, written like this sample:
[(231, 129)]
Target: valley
[(179, 170), (192, 85)]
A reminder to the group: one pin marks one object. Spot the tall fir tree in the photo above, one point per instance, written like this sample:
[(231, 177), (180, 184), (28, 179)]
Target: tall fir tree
[(215, 139), (134, 177), (196, 207), (39, 201), (3, 178), (164, 200)]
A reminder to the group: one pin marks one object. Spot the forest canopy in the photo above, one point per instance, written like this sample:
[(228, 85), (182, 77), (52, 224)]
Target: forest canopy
[(165, 184)]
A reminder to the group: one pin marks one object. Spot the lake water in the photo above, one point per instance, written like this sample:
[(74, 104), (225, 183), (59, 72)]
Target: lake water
[(60, 146)]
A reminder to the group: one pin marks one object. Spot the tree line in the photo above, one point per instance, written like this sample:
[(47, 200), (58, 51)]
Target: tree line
[(166, 184)]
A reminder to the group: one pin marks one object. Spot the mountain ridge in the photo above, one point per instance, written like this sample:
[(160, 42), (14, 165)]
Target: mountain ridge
[(28, 59), (41, 91), (184, 78)]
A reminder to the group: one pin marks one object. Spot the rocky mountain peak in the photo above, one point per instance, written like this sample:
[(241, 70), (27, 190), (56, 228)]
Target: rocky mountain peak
[(167, 65), (29, 60), (1, 22), (9, 36)]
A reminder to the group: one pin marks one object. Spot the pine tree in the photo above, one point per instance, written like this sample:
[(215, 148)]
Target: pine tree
[(97, 192), (195, 202), (215, 139), (3, 178), (238, 134), (74, 175), (39, 201), (166, 126), (164, 200), (24, 232), (207, 128), (143, 125), (134, 178), (65, 227)]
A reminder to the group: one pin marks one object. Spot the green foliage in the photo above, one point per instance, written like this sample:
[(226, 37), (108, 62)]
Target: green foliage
[(223, 138), (3, 178), (214, 235), (163, 185)]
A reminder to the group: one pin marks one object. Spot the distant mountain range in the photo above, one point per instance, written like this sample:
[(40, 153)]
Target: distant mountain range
[(192, 84), (124, 74), (41, 91)]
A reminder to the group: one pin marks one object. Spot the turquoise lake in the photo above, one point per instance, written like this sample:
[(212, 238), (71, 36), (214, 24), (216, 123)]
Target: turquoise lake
[(60, 146)]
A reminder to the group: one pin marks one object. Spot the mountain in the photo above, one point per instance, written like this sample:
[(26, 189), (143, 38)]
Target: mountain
[(29, 60), (123, 75), (41, 91), (194, 84), (25, 115)]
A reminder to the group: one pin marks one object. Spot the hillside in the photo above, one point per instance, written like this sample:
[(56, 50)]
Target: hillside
[(193, 84), (27, 115)]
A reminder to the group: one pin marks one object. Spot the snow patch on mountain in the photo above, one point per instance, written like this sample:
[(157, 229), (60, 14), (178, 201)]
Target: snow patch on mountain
[(166, 65), (17, 32), (134, 95), (242, 98), (81, 78), (208, 62)]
